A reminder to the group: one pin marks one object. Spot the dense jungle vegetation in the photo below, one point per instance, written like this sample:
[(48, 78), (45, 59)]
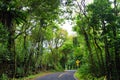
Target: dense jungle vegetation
[(32, 39)]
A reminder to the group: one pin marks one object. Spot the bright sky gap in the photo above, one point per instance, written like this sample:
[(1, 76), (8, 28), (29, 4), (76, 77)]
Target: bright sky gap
[(68, 26)]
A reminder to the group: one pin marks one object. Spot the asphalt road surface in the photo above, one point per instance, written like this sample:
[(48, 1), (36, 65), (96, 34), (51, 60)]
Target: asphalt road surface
[(67, 75)]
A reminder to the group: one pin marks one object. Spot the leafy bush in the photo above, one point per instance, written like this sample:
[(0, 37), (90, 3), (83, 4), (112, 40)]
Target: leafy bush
[(4, 77), (19, 72), (84, 73), (3, 34), (58, 67)]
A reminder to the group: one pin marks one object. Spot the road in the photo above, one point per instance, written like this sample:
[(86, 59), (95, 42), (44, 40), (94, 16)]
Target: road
[(67, 75)]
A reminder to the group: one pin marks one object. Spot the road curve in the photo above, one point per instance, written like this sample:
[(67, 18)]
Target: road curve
[(67, 75)]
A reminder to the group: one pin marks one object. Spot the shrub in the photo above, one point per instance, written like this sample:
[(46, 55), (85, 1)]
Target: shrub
[(4, 77)]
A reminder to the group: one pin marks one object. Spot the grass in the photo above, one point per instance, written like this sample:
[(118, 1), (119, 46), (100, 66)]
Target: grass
[(77, 76), (33, 77)]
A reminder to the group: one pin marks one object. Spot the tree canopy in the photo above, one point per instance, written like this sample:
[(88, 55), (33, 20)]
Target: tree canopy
[(32, 39)]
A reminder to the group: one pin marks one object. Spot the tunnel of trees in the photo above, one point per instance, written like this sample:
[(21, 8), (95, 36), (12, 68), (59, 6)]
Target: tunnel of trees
[(32, 39)]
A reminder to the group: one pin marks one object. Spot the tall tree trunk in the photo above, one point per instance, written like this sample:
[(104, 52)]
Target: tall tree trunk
[(116, 47), (107, 53), (26, 53), (6, 20), (92, 64), (11, 45), (100, 55), (40, 44)]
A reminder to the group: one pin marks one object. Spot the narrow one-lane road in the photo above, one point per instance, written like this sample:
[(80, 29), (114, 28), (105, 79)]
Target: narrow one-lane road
[(67, 75)]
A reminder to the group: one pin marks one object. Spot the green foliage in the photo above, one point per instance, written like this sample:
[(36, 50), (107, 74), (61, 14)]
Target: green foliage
[(19, 72), (4, 77), (45, 10), (4, 34), (67, 50), (40, 44), (4, 54), (11, 8), (47, 60), (99, 28), (67, 47), (22, 44), (88, 77), (84, 73), (58, 67)]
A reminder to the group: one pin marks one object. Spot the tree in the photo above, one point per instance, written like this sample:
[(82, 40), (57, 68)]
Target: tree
[(55, 41), (12, 17), (66, 50), (100, 24), (10, 13)]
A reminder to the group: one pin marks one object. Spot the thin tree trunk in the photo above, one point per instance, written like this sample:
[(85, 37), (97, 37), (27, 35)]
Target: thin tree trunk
[(116, 47), (98, 57), (6, 20), (92, 64), (25, 58), (101, 61), (107, 53)]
